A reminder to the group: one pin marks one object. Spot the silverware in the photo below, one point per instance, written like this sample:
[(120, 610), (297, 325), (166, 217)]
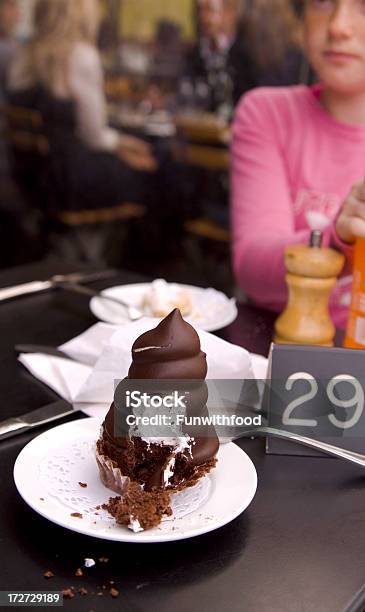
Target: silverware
[(323, 447), (133, 313), (36, 418), (35, 286), (42, 349)]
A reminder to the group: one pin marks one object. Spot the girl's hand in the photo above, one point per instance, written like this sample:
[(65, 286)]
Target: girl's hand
[(350, 222)]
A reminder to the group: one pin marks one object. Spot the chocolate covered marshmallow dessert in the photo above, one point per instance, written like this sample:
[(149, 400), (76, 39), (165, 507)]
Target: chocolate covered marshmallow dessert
[(145, 470)]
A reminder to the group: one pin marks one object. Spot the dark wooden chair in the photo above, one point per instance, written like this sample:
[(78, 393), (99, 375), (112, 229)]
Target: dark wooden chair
[(30, 151), (28, 147)]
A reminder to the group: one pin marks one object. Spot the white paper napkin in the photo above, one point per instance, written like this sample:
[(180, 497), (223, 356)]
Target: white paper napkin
[(67, 377), (106, 355)]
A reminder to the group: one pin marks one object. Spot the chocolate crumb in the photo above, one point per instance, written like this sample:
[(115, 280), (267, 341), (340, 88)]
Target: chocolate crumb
[(48, 574), (83, 591), (68, 593), (145, 508), (76, 515), (79, 572), (114, 592), (41, 498), (83, 485), (97, 507)]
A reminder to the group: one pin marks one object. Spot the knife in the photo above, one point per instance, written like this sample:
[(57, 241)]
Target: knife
[(43, 350), (35, 286), (36, 418)]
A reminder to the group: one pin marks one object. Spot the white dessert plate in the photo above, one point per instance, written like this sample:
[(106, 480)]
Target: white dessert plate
[(45, 468), (211, 309)]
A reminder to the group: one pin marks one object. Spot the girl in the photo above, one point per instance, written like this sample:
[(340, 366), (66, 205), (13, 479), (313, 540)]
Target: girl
[(299, 159)]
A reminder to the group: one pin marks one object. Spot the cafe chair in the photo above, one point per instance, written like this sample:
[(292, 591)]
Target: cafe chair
[(33, 170), (208, 229), (202, 156), (28, 147)]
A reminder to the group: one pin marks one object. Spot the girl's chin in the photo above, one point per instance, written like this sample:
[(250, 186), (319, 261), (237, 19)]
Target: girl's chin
[(350, 87)]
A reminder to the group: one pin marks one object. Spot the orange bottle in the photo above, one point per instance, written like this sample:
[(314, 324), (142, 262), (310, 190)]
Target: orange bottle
[(355, 334)]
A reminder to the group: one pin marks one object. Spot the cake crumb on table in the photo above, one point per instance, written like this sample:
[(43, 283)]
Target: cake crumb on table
[(82, 591), (48, 574), (76, 515), (83, 485), (68, 593)]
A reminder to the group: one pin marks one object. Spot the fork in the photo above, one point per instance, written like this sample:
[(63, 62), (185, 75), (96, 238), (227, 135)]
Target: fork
[(323, 447), (133, 313)]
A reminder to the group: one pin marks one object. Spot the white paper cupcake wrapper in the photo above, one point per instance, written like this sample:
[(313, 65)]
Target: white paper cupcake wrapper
[(110, 475)]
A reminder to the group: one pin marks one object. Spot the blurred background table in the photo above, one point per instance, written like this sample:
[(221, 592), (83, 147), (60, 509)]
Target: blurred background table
[(299, 546)]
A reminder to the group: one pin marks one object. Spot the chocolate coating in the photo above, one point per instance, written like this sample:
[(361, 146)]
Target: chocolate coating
[(170, 351)]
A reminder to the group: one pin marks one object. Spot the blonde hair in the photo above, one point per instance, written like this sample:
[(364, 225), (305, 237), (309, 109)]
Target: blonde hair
[(58, 26)]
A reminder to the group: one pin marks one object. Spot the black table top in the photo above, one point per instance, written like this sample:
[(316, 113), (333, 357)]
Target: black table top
[(299, 546)]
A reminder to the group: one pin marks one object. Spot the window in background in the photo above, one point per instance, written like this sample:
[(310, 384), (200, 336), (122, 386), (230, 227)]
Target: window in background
[(140, 18)]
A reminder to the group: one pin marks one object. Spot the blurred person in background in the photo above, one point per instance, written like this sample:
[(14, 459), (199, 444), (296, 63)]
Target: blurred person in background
[(242, 44), (59, 72), (211, 69), (15, 228), (9, 19)]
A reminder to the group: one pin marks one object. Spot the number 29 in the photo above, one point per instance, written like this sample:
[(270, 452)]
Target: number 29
[(357, 401)]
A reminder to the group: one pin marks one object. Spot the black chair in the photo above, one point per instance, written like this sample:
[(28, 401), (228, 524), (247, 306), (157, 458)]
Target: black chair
[(47, 159)]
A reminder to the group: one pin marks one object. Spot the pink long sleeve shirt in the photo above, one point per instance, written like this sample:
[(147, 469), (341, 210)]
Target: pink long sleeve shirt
[(293, 165)]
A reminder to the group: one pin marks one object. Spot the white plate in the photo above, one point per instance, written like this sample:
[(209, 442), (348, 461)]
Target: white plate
[(233, 485), (212, 310)]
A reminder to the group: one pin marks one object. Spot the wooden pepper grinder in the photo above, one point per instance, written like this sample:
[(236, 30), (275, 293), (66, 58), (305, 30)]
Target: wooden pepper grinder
[(312, 274)]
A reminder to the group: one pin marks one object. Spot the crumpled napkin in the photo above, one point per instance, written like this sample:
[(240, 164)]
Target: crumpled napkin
[(102, 357)]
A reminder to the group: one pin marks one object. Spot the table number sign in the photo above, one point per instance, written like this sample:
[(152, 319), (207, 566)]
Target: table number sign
[(316, 392)]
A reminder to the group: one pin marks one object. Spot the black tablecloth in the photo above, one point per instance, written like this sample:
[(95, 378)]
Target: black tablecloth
[(300, 546)]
